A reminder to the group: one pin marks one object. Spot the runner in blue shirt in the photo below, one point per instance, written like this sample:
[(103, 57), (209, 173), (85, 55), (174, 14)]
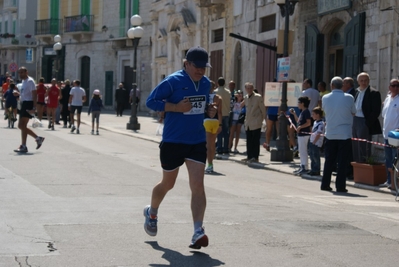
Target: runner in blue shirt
[(182, 98)]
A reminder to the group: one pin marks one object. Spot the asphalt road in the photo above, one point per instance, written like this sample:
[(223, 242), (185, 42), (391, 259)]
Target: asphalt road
[(78, 201)]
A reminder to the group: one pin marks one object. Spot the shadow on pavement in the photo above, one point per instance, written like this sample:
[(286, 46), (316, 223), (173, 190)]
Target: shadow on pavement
[(215, 173), (177, 259)]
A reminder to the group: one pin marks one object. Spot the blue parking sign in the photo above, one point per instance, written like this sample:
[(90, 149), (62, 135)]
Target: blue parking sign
[(29, 55)]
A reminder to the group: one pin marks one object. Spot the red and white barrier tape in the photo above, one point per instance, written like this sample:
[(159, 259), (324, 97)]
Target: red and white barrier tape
[(353, 139)]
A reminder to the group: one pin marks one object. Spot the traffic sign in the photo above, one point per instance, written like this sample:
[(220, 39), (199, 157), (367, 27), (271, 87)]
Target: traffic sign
[(13, 67), (283, 68), (273, 91)]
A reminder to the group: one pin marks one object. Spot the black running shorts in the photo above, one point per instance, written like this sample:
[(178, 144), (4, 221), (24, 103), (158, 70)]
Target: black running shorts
[(173, 155)]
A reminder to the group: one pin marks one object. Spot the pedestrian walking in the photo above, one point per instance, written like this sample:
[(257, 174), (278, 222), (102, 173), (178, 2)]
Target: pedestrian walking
[(183, 139), (76, 99), (121, 96), (95, 106), (53, 95), (223, 136), (339, 108), (41, 98), (65, 94), (212, 124), (28, 98)]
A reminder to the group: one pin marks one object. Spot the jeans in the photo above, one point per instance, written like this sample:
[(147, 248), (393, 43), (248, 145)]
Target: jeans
[(253, 144), (314, 154), (390, 154), (223, 136), (336, 151)]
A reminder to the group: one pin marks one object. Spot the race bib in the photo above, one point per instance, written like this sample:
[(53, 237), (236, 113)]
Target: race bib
[(198, 104)]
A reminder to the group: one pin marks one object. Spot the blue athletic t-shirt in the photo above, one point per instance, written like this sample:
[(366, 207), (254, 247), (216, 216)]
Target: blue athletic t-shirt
[(183, 128)]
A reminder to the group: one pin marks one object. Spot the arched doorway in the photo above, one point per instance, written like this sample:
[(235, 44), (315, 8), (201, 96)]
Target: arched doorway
[(238, 67), (85, 77)]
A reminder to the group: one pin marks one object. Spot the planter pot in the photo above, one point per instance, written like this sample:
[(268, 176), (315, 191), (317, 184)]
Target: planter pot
[(369, 174)]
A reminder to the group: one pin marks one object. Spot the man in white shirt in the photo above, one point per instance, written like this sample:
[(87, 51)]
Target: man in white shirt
[(310, 92), (390, 113), (28, 99), (76, 99)]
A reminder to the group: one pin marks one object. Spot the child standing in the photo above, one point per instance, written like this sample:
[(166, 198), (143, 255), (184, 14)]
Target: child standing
[(95, 106), (303, 130), (316, 141)]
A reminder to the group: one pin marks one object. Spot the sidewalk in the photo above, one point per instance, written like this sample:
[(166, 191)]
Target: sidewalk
[(148, 128)]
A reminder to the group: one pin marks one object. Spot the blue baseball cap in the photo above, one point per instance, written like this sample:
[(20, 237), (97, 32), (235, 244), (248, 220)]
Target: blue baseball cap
[(198, 56)]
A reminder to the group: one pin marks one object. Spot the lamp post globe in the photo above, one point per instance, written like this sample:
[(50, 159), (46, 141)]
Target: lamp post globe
[(57, 46), (135, 20), (138, 32), (57, 38), (130, 33)]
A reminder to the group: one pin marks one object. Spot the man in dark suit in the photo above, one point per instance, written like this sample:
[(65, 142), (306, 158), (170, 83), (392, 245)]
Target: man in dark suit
[(121, 96), (349, 86), (365, 122)]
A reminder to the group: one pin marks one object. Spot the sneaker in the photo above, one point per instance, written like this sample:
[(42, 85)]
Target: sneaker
[(386, 184), (97, 133), (92, 131), (301, 168), (303, 171), (39, 141), (253, 160), (52, 128), (150, 224), (69, 126), (77, 131), (236, 151), (49, 125), (209, 169), (73, 128), (64, 126), (199, 239), (21, 149)]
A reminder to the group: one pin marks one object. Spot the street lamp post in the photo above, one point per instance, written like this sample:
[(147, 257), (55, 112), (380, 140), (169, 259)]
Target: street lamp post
[(57, 48), (283, 151), (134, 33)]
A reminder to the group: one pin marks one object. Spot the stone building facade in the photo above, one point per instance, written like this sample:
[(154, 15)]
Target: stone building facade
[(181, 24), (17, 41), (96, 49), (337, 48)]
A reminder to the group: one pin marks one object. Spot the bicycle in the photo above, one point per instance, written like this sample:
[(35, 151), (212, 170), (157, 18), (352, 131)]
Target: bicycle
[(10, 117)]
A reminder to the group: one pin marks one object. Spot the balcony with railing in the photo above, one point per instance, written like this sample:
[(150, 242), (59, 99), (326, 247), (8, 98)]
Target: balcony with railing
[(79, 24), (10, 5), (20, 40), (48, 27)]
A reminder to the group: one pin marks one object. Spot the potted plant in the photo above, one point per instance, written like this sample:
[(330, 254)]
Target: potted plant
[(370, 172)]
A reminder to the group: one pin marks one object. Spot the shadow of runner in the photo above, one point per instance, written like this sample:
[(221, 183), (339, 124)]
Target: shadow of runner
[(176, 259)]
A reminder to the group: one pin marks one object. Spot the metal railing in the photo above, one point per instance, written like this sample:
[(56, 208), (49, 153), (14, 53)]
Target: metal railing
[(81, 23), (48, 26)]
